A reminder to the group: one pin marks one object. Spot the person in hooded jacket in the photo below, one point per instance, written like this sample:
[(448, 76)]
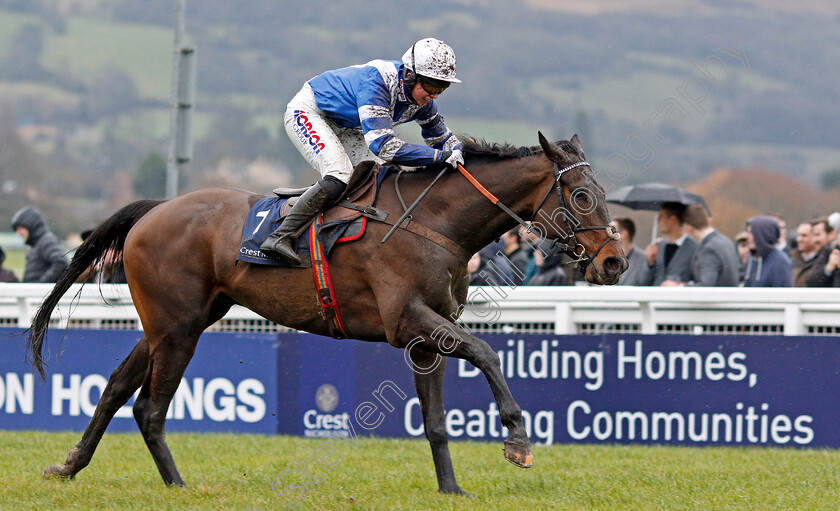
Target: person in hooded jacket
[(45, 260), (551, 272), (6, 275), (767, 266)]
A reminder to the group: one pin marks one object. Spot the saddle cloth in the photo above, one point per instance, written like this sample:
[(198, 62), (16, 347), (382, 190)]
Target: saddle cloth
[(263, 219), (338, 224)]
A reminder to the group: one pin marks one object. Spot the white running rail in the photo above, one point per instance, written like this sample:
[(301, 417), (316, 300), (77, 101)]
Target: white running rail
[(549, 310)]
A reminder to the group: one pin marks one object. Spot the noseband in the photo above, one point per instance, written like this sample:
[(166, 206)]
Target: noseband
[(568, 242)]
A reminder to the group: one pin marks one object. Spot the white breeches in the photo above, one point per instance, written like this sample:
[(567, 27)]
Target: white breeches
[(330, 149)]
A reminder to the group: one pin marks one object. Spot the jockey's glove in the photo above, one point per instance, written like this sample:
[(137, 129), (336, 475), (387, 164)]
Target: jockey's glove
[(453, 158), (452, 143)]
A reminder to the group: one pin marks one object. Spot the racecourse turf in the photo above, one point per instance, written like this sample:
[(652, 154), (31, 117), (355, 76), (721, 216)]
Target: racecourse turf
[(236, 472)]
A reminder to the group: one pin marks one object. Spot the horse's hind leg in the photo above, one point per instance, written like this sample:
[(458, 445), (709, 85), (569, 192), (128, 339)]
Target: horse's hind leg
[(430, 391), (121, 385), (173, 319), (168, 362)]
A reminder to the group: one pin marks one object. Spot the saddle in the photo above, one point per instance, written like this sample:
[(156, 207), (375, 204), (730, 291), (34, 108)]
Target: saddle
[(358, 199)]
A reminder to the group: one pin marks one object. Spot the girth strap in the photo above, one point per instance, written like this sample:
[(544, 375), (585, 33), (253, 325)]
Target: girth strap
[(323, 284), (435, 237)]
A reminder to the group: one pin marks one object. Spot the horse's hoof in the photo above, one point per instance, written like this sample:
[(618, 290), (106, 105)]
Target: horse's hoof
[(56, 471), (519, 454), (455, 491)]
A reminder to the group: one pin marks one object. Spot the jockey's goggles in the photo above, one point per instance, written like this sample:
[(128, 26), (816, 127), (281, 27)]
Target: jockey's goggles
[(432, 86)]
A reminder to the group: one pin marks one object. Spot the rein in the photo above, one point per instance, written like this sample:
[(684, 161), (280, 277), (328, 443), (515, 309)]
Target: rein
[(568, 242)]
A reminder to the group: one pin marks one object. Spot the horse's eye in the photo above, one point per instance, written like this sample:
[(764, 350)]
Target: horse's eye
[(583, 201)]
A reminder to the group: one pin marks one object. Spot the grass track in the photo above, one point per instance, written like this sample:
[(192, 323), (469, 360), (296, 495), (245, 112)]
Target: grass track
[(235, 472)]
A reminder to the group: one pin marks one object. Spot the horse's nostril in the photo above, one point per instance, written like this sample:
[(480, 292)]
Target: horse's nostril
[(612, 265)]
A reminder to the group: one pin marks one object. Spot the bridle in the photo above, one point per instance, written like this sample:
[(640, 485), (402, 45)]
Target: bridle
[(568, 242)]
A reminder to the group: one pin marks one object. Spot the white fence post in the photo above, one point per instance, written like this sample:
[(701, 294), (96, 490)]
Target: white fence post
[(648, 318), (563, 321), (24, 317), (793, 320)]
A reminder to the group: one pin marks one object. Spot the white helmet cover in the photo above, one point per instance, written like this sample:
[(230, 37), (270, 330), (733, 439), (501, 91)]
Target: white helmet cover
[(431, 58)]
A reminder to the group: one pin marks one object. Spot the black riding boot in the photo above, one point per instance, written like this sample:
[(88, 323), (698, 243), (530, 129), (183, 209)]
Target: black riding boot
[(312, 202)]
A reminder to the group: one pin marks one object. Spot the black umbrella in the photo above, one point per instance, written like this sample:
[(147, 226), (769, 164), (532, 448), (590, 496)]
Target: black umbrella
[(650, 196)]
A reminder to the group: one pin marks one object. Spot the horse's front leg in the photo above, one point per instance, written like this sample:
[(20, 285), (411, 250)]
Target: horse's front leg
[(430, 391), (422, 328)]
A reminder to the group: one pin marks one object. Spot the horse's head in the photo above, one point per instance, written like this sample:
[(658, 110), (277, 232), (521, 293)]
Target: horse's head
[(576, 217)]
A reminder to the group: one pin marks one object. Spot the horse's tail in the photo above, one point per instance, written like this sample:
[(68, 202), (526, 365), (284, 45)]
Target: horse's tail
[(109, 236)]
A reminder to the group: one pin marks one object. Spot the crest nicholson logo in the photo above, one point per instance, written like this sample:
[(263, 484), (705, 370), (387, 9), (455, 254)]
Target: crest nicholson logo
[(326, 398)]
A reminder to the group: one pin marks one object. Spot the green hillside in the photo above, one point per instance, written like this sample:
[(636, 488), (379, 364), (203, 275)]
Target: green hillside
[(90, 45), (86, 84)]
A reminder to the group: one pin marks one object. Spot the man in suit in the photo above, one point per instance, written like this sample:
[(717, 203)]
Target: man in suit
[(825, 272), (804, 255), (669, 258), (827, 275), (716, 261), (635, 256)]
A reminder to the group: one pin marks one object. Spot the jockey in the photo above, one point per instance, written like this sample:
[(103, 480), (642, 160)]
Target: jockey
[(345, 116)]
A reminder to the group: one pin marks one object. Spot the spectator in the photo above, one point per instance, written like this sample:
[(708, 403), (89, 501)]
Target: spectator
[(517, 255), (476, 268), (803, 256), (669, 258), (826, 275), (822, 237), (635, 256), (536, 246), (716, 261), (45, 259), (494, 252), (109, 270), (768, 266), (472, 270), (112, 270), (532, 241), (743, 253), (492, 269), (6, 275), (824, 272), (782, 243), (821, 234), (834, 221), (551, 271)]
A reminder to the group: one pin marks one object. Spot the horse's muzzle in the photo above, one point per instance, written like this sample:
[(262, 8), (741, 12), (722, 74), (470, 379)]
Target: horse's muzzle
[(607, 271)]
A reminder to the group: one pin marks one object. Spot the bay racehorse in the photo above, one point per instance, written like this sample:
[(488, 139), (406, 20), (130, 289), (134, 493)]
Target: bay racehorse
[(179, 258)]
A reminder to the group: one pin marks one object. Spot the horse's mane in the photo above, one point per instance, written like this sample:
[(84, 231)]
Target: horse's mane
[(480, 149)]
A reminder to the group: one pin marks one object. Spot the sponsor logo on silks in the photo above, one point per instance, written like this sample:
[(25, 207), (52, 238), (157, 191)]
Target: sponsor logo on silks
[(306, 133)]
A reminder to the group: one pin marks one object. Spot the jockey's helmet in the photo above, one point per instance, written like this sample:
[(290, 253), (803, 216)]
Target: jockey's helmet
[(432, 62)]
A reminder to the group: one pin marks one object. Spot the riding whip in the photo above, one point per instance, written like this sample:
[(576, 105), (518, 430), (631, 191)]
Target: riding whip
[(413, 205)]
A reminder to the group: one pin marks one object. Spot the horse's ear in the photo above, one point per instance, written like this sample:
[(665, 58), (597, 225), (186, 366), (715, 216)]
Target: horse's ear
[(550, 150), (577, 145)]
